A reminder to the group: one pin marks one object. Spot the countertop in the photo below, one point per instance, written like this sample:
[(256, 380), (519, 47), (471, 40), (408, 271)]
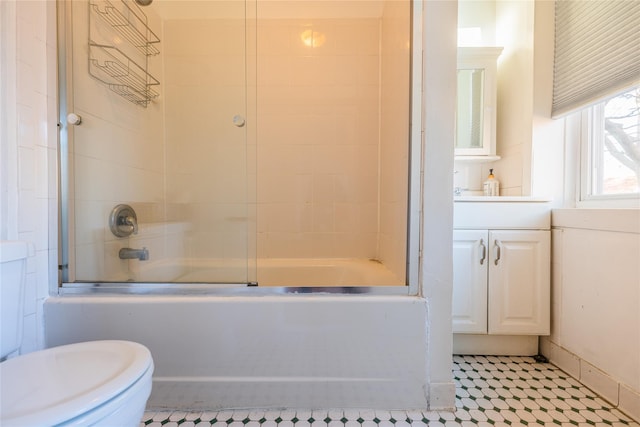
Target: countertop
[(510, 199)]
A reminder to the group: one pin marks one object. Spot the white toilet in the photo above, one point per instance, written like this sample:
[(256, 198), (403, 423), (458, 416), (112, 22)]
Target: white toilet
[(98, 383)]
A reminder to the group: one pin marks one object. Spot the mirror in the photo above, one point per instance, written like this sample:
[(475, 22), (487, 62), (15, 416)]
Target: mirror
[(476, 104), (469, 119)]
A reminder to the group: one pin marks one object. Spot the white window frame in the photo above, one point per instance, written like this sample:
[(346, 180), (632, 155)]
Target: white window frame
[(590, 124)]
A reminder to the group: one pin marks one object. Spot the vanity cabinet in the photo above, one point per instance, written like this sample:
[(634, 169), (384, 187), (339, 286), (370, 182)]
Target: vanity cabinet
[(470, 281), (501, 276)]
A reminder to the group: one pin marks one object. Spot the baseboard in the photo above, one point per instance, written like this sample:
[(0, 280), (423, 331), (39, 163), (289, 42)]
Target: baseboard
[(619, 394)]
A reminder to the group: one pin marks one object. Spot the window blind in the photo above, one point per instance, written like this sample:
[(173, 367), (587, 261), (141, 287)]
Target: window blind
[(597, 51)]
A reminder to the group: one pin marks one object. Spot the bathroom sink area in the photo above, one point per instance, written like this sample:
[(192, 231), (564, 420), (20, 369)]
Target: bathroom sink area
[(506, 212)]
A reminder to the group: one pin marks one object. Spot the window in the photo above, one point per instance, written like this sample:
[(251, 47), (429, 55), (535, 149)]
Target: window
[(611, 149)]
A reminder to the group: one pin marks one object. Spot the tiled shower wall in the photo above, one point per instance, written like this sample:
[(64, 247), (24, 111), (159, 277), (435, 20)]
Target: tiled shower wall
[(29, 204), (318, 115), (333, 137)]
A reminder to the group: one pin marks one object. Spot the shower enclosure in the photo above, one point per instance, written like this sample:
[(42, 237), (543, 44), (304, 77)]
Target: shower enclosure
[(263, 143)]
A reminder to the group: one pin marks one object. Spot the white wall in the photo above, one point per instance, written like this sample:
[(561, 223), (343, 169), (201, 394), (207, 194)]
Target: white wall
[(547, 151), (29, 136), (513, 24), (595, 329), (438, 116), (477, 16), (595, 323)]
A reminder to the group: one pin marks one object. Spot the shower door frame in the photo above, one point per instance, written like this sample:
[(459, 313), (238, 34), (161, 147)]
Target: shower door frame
[(67, 284)]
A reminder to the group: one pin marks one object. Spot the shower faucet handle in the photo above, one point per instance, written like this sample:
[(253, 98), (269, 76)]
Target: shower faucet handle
[(123, 221), (132, 222)]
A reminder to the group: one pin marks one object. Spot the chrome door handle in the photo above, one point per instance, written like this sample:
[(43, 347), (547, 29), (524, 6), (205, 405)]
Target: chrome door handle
[(483, 255), (497, 243)]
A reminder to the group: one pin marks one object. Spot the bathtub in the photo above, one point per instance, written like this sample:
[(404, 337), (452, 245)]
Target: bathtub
[(298, 272), (263, 351), (169, 263)]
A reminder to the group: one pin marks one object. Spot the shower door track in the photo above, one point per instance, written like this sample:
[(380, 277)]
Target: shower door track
[(223, 289)]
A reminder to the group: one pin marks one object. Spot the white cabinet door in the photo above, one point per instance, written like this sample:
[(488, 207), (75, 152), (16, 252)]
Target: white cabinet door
[(470, 259), (519, 282)]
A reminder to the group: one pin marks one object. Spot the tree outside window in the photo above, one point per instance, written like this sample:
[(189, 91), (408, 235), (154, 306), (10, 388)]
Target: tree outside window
[(615, 146)]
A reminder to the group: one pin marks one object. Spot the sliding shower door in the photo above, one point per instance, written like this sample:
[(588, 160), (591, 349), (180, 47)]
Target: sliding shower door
[(333, 105), (238, 141), (159, 97)]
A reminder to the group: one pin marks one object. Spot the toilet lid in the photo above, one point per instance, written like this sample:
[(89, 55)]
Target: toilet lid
[(63, 382)]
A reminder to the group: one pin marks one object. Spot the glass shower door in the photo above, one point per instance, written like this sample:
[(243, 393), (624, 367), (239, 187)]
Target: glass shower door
[(161, 91)]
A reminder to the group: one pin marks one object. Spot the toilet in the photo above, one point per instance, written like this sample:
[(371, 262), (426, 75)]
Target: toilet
[(96, 383)]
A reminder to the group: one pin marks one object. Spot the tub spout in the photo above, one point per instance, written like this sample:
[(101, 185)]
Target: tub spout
[(128, 253)]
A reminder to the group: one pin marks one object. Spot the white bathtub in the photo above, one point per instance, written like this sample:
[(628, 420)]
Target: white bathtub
[(277, 351), (298, 272)]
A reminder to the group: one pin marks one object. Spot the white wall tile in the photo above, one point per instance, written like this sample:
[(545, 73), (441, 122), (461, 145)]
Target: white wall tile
[(26, 172), (43, 163), (26, 122), (41, 229), (29, 334), (27, 213), (30, 294), (42, 274)]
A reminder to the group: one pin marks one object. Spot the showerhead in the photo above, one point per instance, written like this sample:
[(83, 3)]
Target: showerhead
[(144, 2)]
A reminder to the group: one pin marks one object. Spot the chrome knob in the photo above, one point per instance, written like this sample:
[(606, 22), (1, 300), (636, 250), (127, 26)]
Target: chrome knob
[(74, 119), (123, 221), (238, 120)]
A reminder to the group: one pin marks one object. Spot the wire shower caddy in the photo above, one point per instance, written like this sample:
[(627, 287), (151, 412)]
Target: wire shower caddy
[(120, 44)]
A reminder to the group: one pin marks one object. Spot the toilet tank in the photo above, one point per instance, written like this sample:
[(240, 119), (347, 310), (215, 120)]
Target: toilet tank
[(13, 256)]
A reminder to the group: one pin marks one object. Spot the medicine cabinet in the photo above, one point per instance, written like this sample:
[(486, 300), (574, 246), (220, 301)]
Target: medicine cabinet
[(476, 104)]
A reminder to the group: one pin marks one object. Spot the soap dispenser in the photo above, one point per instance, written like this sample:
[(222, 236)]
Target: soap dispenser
[(491, 185)]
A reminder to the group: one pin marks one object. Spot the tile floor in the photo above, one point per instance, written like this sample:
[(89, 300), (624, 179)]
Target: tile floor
[(490, 391)]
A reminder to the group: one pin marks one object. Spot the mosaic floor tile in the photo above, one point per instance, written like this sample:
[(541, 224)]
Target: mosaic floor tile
[(491, 391)]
